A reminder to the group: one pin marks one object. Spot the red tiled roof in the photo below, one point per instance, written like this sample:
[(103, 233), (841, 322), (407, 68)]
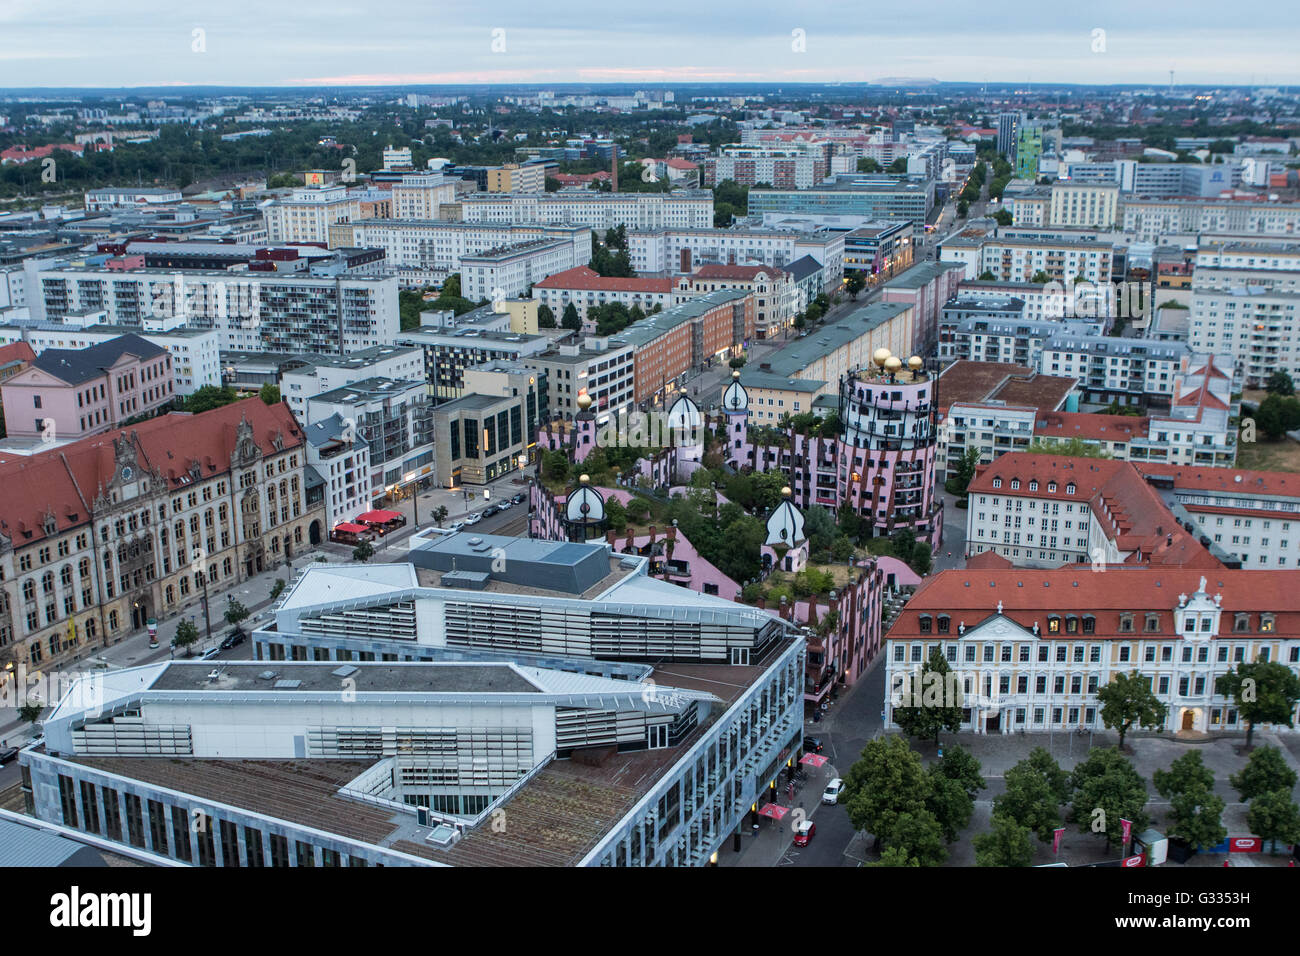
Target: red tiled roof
[(1190, 478), (718, 271), (681, 164), (1028, 595), (16, 352), (64, 482), (988, 561), (1090, 426), (588, 280), (1132, 513)]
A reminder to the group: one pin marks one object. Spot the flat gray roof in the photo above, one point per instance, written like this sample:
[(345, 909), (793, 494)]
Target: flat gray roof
[(437, 677)]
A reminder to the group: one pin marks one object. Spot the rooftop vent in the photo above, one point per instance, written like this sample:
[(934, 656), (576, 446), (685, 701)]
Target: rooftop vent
[(346, 670), (266, 675), (287, 684)]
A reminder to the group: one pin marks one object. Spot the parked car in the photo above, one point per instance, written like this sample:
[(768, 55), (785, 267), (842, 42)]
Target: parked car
[(833, 790), (490, 510), (473, 518), (210, 653), (505, 505), (812, 745), (8, 754), (234, 639), (519, 498), (804, 832), (454, 527)]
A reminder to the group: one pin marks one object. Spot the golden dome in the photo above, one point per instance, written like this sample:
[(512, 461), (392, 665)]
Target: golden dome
[(915, 362), (735, 373), (879, 356), (584, 479), (893, 363), (786, 492), (584, 401)]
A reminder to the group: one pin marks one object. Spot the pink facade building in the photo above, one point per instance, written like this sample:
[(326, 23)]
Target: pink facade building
[(66, 394), (925, 287), (881, 463)]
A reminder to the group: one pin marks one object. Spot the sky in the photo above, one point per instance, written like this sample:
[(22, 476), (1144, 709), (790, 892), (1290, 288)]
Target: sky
[(125, 43)]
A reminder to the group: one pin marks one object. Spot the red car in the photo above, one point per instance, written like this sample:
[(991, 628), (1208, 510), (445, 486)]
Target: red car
[(804, 832)]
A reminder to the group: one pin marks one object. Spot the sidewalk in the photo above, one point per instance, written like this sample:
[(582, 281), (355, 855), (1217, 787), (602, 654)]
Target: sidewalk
[(768, 845)]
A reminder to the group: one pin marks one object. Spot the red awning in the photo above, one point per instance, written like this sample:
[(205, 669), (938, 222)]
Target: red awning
[(351, 528), (774, 810), (378, 517), (813, 760)]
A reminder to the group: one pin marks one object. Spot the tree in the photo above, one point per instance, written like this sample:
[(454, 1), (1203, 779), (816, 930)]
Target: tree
[(1106, 790), (31, 711), (965, 473), (1195, 813), (235, 612), (1128, 700), (933, 701), (1266, 770), (187, 632), (922, 559), (853, 284), (868, 165), (949, 803), (1274, 816), (886, 781), (278, 588), (896, 856), (545, 317), (570, 319), (898, 167), (1265, 692), (440, 514), (963, 207), (363, 552), (209, 397), (1280, 383), (960, 764), (270, 394), (1006, 844), (1003, 217), (1040, 277), (918, 834), (987, 276), (1036, 789)]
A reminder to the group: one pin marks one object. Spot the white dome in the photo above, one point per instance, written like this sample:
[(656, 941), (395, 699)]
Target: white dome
[(784, 526), (684, 414), (585, 504), (735, 398)]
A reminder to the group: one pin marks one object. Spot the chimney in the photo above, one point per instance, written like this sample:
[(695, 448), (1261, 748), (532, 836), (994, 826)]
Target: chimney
[(762, 603)]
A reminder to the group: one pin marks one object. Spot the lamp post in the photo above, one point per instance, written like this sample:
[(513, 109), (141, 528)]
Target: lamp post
[(207, 617)]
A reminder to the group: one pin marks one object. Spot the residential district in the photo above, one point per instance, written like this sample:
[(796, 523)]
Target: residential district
[(677, 477)]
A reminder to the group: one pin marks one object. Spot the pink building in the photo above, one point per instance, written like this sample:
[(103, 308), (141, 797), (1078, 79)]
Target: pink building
[(926, 288), (881, 463), (68, 394)]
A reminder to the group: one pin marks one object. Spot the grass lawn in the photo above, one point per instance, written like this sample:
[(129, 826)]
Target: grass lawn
[(1282, 455)]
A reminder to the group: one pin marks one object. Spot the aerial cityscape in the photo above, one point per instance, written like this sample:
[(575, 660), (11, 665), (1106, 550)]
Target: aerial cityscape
[(689, 438)]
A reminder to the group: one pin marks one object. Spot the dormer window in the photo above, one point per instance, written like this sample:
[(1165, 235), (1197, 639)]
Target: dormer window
[(1126, 623), (1069, 489), (1240, 622), (944, 622), (1266, 623), (1053, 625), (1015, 484), (1089, 624), (925, 622), (1033, 486), (1051, 487), (1152, 623), (997, 482)]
